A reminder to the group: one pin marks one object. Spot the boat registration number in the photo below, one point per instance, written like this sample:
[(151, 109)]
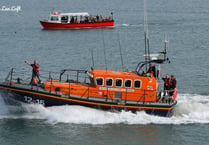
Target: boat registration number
[(30, 100)]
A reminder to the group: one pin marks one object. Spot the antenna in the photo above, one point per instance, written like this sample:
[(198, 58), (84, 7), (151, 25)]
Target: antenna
[(166, 43), (104, 49), (92, 57), (145, 19), (52, 11), (146, 37), (120, 52)]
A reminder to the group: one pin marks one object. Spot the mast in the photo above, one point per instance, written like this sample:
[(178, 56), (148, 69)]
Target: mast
[(146, 36), (165, 45), (92, 57), (121, 57), (104, 50)]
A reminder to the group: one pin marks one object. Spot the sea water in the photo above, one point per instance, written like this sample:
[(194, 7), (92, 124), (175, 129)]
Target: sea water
[(35, 124), (185, 23)]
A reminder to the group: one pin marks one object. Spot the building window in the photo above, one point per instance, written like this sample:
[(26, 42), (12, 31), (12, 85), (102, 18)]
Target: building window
[(127, 83), (118, 82), (137, 84), (99, 81), (109, 82)]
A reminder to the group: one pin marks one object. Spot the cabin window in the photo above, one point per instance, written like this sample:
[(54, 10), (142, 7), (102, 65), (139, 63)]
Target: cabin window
[(127, 83), (118, 82), (137, 84), (99, 81), (64, 19), (54, 18), (109, 82)]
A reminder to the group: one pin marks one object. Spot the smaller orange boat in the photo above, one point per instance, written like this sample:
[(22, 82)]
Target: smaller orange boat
[(76, 20)]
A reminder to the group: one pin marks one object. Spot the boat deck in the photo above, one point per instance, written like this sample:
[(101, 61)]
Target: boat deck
[(40, 89)]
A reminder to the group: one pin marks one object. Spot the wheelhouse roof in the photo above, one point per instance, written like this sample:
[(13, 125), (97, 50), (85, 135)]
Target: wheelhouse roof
[(112, 73), (74, 14)]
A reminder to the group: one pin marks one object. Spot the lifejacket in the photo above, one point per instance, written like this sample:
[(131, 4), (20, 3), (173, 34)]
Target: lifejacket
[(174, 86), (35, 68), (167, 82)]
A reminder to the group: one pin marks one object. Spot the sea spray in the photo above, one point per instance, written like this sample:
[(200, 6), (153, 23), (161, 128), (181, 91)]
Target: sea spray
[(191, 108), (3, 107)]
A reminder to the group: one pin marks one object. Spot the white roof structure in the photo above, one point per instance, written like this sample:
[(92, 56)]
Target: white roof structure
[(154, 56), (74, 14)]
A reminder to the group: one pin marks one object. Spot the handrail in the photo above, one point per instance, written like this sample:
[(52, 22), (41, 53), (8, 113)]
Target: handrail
[(71, 70), (140, 96), (9, 75)]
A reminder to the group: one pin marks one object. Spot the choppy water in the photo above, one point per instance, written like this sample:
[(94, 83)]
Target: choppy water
[(185, 22)]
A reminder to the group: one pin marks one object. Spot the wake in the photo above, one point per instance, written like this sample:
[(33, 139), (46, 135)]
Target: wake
[(128, 25), (191, 108)]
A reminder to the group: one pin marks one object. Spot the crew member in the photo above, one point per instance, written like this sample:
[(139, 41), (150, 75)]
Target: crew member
[(35, 71), (173, 84), (152, 69), (167, 82)]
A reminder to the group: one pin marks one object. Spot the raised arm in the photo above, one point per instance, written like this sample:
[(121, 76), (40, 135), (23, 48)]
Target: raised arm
[(162, 77), (27, 62)]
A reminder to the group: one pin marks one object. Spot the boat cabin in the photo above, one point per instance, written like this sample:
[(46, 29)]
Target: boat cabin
[(115, 79), (68, 17), (110, 84), (77, 18)]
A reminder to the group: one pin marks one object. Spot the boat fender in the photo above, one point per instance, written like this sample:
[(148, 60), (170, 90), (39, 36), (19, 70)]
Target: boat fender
[(175, 94)]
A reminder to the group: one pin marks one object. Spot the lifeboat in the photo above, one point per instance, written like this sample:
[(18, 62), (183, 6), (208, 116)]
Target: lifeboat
[(112, 90), (76, 20)]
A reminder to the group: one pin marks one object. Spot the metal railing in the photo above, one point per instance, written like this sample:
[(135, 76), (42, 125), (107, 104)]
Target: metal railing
[(74, 76)]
